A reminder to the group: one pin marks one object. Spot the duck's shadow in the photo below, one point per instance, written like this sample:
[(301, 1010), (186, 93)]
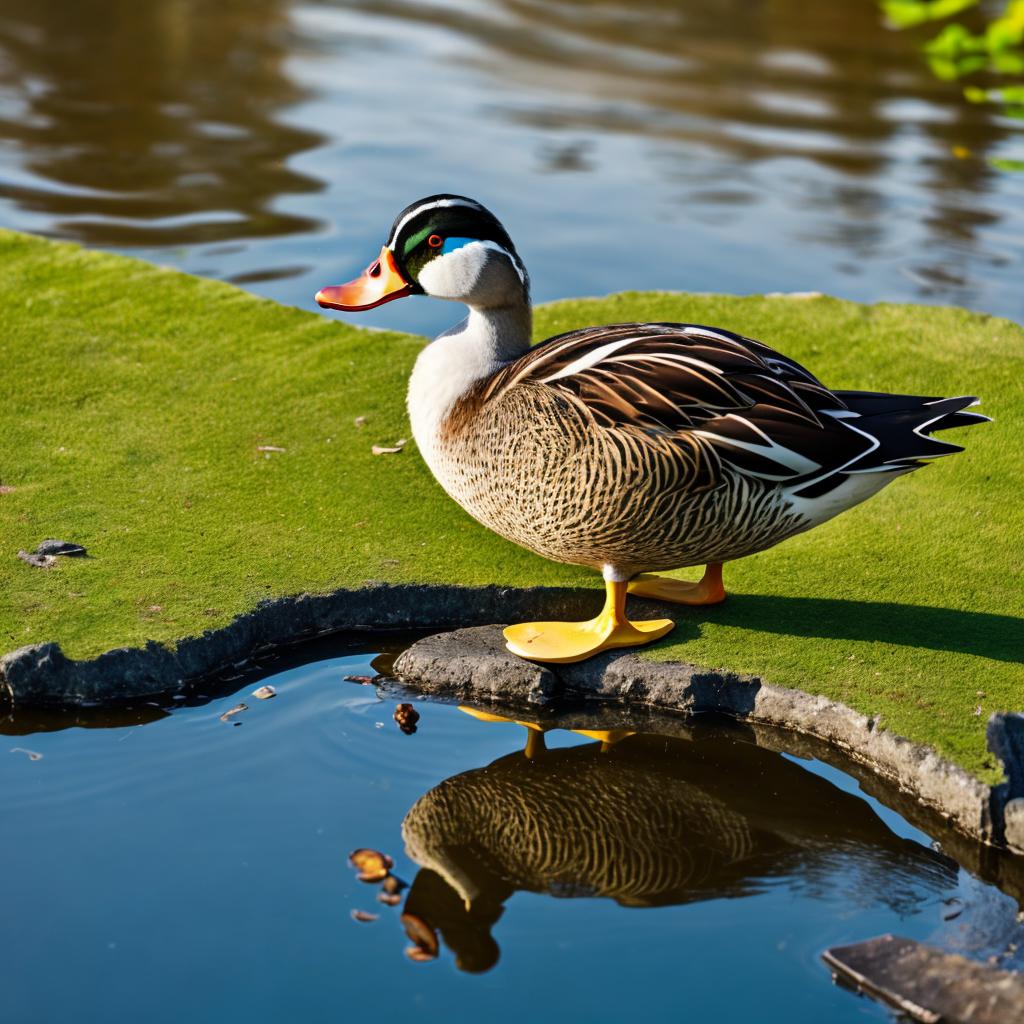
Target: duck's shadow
[(1000, 637)]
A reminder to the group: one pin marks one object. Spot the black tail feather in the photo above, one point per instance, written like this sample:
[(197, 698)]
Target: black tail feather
[(903, 425)]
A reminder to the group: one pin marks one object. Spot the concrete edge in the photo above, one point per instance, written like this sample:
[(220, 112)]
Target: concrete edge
[(473, 663)]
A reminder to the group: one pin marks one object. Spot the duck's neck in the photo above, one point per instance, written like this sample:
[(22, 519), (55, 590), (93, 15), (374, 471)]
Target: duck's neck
[(456, 360)]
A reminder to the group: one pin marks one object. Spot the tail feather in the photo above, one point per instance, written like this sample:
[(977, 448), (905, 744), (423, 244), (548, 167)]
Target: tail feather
[(903, 425)]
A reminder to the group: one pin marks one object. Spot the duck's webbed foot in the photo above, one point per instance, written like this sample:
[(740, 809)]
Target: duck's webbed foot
[(708, 590), (564, 642)]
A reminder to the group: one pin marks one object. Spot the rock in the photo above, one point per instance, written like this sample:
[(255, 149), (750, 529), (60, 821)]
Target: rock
[(929, 985), (39, 561), (474, 663)]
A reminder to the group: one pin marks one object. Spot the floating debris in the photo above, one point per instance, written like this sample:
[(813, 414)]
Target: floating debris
[(420, 933), (407, 716), (372, 865), (364, 916), (33, 755), (390, 891), (393, 885), (236, 710), (418, 955), (264, 692), (359, 679)]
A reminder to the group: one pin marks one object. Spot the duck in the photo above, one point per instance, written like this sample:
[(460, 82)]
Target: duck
[(632, 449)]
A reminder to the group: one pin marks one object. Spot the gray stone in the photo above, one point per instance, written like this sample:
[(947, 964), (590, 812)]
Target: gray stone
[(929, 985), (39, 561)]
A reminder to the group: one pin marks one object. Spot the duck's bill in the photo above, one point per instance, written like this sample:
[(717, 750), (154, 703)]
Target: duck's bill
[(379, 283)]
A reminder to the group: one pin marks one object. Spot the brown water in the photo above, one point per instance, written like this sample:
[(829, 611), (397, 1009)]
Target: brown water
[(746, 147)]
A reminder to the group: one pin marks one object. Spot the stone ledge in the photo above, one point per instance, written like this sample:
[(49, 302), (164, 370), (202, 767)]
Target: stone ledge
[(473, 664)]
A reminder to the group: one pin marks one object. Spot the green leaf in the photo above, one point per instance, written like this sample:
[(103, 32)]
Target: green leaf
[(907, 13), (953, 41), (1003, 164)]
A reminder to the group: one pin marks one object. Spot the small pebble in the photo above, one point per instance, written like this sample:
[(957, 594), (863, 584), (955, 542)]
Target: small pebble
[(264, 692)]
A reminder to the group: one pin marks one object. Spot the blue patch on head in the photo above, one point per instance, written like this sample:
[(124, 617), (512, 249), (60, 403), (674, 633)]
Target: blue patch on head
[(451, 244)]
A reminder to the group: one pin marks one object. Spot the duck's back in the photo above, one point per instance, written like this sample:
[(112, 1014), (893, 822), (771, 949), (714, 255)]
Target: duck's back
[(653, 446)]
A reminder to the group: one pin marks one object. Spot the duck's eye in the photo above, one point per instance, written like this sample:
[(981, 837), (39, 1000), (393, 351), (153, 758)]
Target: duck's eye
[(435, 241)]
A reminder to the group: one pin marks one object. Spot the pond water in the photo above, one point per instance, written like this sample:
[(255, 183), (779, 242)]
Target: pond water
[(167, 863), (717, 145)]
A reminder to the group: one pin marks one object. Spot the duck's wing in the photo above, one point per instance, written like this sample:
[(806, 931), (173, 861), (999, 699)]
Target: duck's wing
[(714, 398)]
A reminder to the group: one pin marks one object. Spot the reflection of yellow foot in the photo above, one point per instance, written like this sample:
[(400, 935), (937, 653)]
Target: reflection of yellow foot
[(534, 733), (489, 716), (708, 591), (563, 642), (608, 737)]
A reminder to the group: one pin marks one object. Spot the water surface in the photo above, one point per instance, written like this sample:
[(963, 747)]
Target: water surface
[(167, 865), (742, 147)]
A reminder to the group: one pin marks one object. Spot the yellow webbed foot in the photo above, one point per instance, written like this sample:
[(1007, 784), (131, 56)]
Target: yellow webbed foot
[(709, 590), (560, 643)]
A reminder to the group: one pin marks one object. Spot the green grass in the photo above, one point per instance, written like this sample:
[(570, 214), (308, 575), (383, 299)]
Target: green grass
[(135, 400)]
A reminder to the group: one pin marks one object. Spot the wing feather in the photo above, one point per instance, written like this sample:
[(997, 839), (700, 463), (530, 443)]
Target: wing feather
[(705, 395)]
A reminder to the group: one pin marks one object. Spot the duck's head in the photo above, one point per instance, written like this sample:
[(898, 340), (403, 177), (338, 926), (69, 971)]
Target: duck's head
[(446, 246)]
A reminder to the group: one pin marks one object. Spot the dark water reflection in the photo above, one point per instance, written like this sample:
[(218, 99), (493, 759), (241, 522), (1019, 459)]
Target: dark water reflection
[(732, 145), (649, 821)]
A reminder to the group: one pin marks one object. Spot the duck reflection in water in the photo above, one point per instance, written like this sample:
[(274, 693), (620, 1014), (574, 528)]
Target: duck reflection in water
[(648, 821)]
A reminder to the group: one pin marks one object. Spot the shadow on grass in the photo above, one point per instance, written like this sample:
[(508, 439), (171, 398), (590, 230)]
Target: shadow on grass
[(1000, 637)]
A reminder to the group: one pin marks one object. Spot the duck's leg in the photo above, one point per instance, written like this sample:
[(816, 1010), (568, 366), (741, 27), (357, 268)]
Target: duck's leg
[(709, 590), (563, 642)]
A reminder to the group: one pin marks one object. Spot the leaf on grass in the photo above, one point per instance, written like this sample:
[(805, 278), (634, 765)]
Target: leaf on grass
[(269, 448), (264, 692), (236, 710), (381, 450)]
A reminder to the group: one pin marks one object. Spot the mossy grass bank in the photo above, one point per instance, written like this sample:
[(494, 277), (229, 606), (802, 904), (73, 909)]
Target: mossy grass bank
[(211, 449)]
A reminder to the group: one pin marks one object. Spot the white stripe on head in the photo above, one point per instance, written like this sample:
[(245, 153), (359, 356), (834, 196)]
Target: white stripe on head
[(434, 204), (487, 243)]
